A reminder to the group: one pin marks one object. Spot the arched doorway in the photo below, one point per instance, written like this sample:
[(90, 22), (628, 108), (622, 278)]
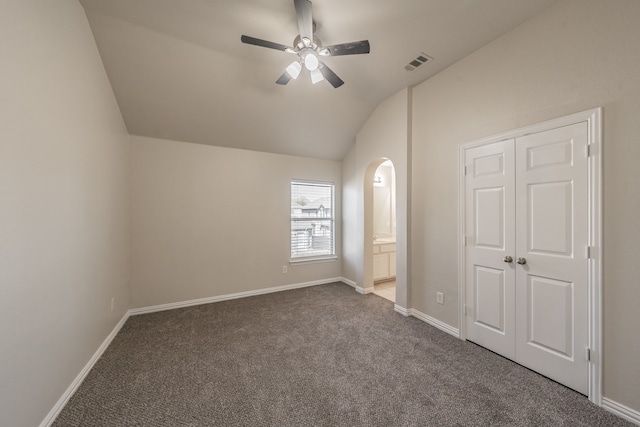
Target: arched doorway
[(380, 228)]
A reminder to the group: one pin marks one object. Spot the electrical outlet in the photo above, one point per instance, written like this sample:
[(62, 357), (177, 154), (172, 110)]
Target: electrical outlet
[(113, 302), (285, 269), (440, 297)]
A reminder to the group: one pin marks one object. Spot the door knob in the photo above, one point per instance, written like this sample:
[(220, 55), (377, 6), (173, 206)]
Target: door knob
[(521, 261), (507, 259)]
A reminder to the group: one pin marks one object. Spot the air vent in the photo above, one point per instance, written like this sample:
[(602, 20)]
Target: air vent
[(420, 60)]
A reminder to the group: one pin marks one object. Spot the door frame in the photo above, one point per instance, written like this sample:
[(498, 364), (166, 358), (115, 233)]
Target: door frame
[(593, 118)]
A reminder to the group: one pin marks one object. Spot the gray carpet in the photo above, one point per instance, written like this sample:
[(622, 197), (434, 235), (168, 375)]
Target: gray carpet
[(319, 356)]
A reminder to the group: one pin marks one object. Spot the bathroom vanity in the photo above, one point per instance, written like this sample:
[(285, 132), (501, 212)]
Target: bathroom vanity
[(384, 259)]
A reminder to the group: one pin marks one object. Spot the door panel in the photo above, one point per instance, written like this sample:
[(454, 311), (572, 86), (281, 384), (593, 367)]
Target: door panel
[(552, 235), (550, 315), (489, 224), (550, 229), (492, 164), (489, 218), (489, 291), (554, 153)]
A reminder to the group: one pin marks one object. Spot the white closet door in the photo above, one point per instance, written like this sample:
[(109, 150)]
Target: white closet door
[(489, 217), (552, 237)]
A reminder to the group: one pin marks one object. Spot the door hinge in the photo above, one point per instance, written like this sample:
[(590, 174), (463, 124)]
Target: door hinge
[(465, 171), (587, 354), (589, 251), (465, 309), (587, 150)]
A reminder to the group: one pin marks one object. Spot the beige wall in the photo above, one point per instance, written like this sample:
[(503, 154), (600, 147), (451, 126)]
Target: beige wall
[(384, 136), (64, 189), (210, 221), (575, 56), (350, 249), (64, 212)]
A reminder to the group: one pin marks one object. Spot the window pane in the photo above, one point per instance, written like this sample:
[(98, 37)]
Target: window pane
[(312, 222)]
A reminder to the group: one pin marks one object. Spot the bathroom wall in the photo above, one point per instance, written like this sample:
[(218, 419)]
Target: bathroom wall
[(384, 197)]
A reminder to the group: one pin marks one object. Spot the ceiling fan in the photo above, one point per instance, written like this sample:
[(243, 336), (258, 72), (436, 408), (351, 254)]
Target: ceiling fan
[(309, 49)]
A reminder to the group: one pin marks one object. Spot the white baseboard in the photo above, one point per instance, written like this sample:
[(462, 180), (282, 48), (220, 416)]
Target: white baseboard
[(435, 322), (57, 408), (209, 300), (353, 284), (349, 282), (618, 409), (622, 411), (401, 310)]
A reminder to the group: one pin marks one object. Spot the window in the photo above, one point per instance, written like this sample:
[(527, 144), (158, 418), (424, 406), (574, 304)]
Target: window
[(312, 220)]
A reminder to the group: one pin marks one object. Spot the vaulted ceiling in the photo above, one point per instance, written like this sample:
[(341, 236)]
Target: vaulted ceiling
[(179, 70)]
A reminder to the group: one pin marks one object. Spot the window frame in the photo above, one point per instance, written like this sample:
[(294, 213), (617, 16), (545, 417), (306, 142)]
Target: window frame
[(312, 258)]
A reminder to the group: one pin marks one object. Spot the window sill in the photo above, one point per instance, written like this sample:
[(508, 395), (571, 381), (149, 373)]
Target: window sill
[(313, 260)]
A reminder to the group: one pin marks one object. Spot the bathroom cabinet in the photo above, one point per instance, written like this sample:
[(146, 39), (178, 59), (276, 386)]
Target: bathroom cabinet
[(384, 261)]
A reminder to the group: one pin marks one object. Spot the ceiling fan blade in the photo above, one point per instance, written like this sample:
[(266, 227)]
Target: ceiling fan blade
[(263, 43), (305, 18), (353, 48), (284, 79), (330, 76)]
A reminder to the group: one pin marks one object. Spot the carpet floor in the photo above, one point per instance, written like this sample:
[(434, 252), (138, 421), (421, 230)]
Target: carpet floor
[(318, 356)]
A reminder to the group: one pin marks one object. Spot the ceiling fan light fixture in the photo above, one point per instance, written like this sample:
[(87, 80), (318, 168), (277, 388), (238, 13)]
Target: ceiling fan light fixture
[(294, 69), (316, 76), (310, 49), (311, 62)]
